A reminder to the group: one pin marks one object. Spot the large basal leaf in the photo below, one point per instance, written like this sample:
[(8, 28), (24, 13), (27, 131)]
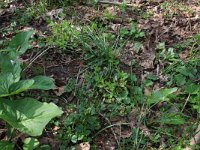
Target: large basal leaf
[(43, 83), (6, 80), (10, 66), (20, 43), (20, 86), (4, 145), (160, 95), (28, 115)]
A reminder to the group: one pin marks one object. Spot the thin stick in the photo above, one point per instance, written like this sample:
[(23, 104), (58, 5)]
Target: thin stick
[(113, 132), (185, 102), (114, 3), (112, 125), (36, 58)]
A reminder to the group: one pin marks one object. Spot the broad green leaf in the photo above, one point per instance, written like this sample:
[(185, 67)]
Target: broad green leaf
[(10, 66), (20, 86), (20, 43), (4, 145), (170, 118), (30, 144), (43, 83), (28, 115), (160, 95), (6, 80)]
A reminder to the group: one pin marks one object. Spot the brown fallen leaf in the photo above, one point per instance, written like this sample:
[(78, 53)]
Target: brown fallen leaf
[(183, 55), (147, 60), (59, 90), (111, 10), (145, 130), (147, 91), (83, 146), (114, 27), (55, 129)]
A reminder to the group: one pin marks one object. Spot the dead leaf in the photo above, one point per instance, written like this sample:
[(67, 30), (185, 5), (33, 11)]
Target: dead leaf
[(111, 10), (83, 146), (126, 133), (147, 91), (147, 60), (53, 13), (183, 55), (59, 90), (115, 27), (145, 130)]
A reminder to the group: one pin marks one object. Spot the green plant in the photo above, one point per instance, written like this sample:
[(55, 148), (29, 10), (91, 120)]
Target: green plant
[(27, 115), (105, 90), (30, 144), (109, 15), (166, 54), (132, 32), (160, 95), (175, 8), (136, 141), (30, 12), (63, 35), (122, 7), (108, 83), (194, 90), (80, 124)]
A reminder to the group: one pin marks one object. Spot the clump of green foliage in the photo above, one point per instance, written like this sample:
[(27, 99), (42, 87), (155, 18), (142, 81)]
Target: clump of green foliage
[(184, 73), (63, 35), (106, 90), (132, 32)]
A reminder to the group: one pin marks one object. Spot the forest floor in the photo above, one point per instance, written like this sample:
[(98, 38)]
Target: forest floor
[(127, 74)]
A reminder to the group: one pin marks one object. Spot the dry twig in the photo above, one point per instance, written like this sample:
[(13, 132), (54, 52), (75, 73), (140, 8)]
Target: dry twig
[(114, 3)]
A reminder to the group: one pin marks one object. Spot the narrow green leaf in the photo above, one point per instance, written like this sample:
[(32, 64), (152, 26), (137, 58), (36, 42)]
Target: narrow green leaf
[(4, 145), (28, 115), (170, 118), (43, 83), (160, 95)]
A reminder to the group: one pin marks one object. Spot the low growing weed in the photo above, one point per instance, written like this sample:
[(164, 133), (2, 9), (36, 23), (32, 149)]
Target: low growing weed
[(109, 90), (63, 35), (105, 90)]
